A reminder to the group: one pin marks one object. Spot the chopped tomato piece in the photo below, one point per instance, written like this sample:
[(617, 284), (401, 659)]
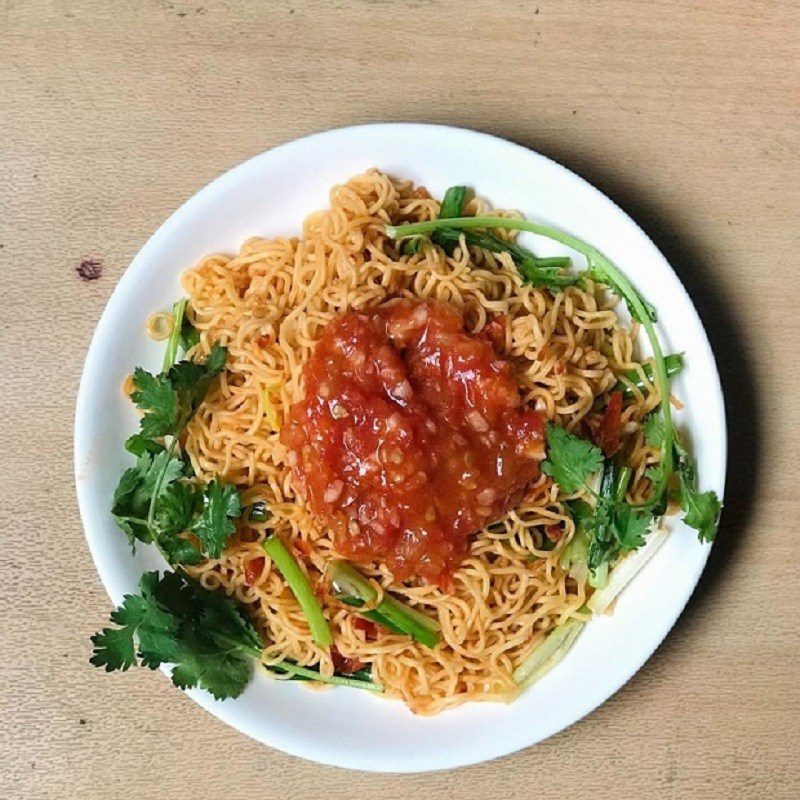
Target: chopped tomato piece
[(495, 331), (610, 428), (344, 665), (367, 627), (554, 532), (302, 548), (252, 570)]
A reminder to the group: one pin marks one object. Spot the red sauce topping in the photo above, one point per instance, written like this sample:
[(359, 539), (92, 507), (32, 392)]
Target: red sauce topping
[(411, 437)]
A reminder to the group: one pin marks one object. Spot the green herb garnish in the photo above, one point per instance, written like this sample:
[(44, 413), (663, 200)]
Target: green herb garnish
[(351, 587), (154, 501), (570, 459), (301, 588), (190, 336), (358, 680), (221, 505), (673, 362), (701, 509), (453, 202), (176, 621), (169, 400)]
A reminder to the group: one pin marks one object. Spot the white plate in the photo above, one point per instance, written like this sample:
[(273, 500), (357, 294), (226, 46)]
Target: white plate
[(270, 195)]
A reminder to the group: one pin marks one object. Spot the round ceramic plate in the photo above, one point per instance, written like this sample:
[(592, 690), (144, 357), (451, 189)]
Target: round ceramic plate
[(270, 195)]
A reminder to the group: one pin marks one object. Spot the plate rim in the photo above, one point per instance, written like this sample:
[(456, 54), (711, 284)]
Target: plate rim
[(230, 176)]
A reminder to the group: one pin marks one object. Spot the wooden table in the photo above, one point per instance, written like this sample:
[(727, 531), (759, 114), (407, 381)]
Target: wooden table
[(687, 114)]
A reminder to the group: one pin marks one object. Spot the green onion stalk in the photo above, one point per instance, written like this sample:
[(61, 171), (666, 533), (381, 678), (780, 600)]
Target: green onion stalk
[(351, 587), (301, 588)]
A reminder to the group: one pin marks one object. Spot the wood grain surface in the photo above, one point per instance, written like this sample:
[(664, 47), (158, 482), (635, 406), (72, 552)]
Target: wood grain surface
[(685, 113)]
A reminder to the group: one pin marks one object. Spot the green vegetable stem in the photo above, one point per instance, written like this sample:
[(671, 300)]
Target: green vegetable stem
[(301, 588), (352, 588), (673, 362)]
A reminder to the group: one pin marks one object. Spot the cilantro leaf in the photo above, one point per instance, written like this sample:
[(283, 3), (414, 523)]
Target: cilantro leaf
[(649, 308), (156, 628), (413, 245), (176, 509), (189, 336), (214, 526), (603, 273), (174, 513), (453, 202), (654, 431), (657, 505), (174, 620), (138, 444), (178, 550), (537, 273), (151, 503), (166, 465), (614, 528), (153, 394), (570, 460), (114, 647), (191, 382), (701, 509), (136, 488), (169, 400), (629, 526), (223, 674)]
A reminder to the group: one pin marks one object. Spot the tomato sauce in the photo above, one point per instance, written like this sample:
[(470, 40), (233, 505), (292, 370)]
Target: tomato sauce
[(411, 437)]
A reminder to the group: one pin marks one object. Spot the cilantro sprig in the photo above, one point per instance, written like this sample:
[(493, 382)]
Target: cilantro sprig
[(570, 459), (170, 399), (173, 620), (205, 635), (155, 500), (613, 526), (701, 509)]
